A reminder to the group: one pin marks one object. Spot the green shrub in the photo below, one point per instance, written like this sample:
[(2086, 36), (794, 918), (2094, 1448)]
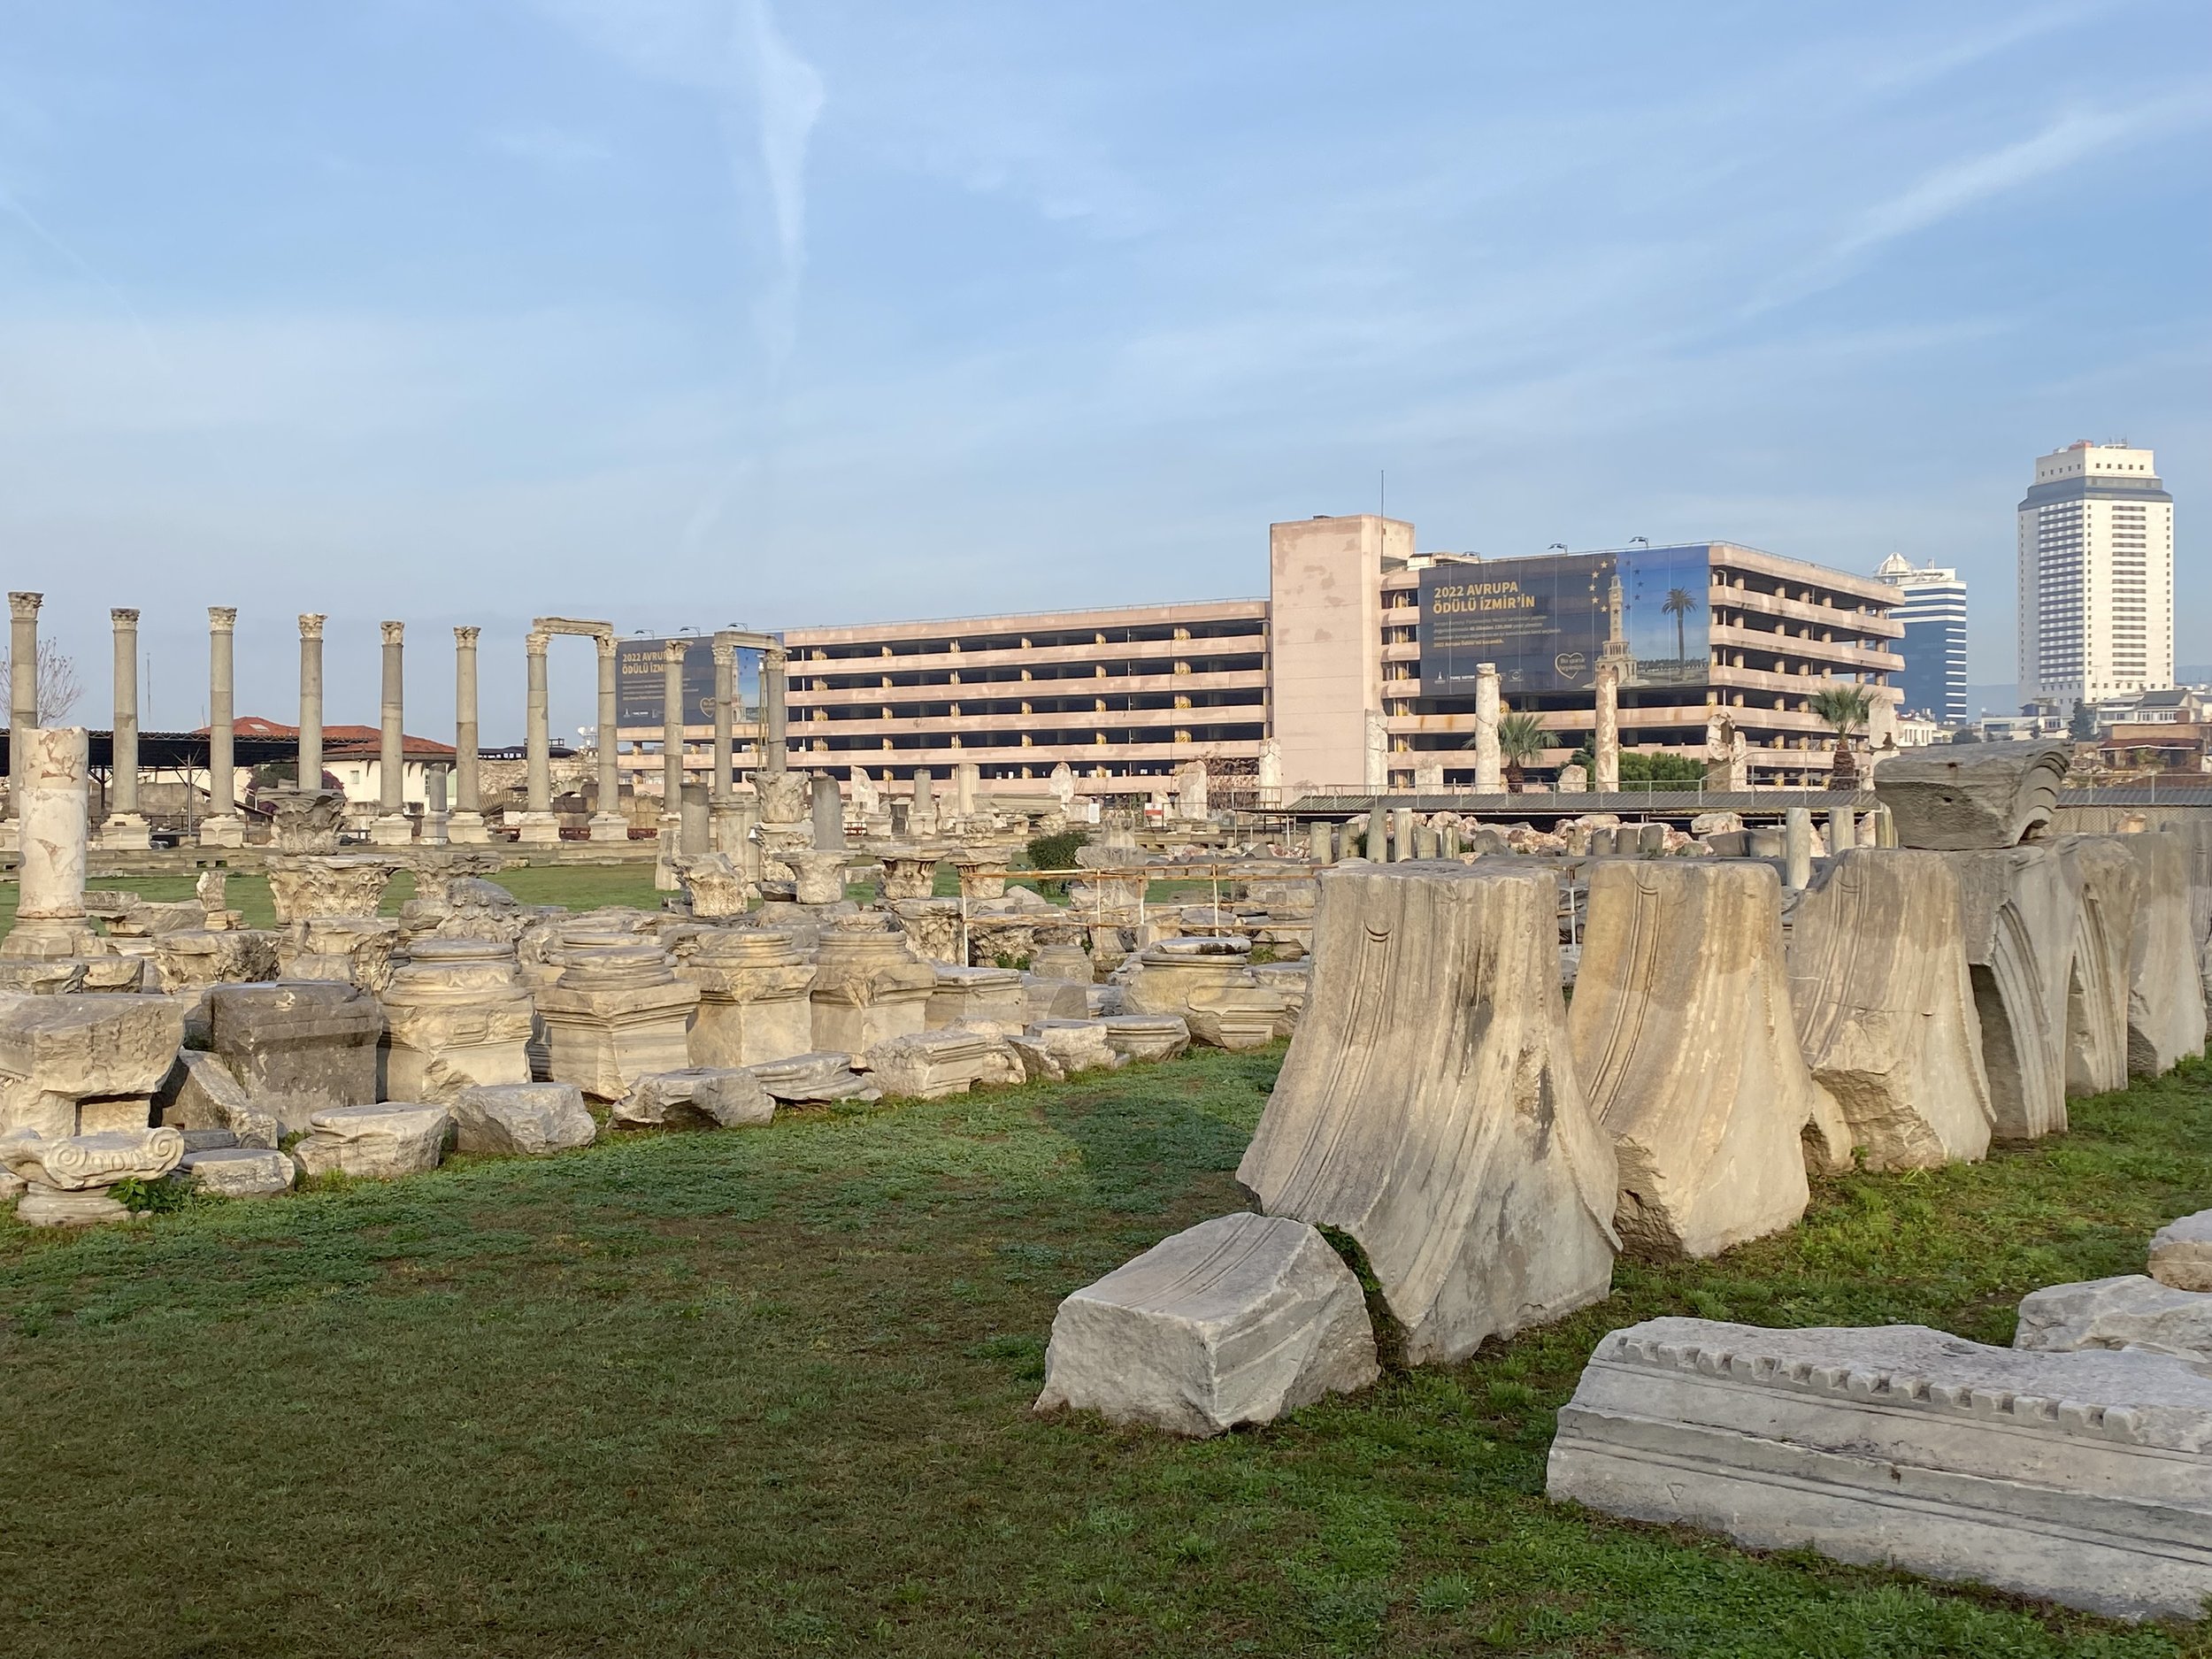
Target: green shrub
[(1056, 852)]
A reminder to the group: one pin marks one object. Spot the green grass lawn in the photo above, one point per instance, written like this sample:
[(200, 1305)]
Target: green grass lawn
[(767, 1392)]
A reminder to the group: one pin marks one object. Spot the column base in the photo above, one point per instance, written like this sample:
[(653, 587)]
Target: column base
[(125, 832), (467, 829), (224, 830), (536, 829), (610, 827), (49, 938), (12, 836), (435, 829), (394, 829), (725, 830)]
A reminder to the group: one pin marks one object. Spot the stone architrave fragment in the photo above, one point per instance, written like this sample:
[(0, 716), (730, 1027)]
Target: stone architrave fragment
[(2166, 1018), (753, 997), (2075, 1477), (868, 987), (199, 1095), (298, 1047), (2020, 910), (1884, 1007), (2129, 1311), (1236, 1320), (2181, 1253), (930, 1064), (814, 1080), (1959, 797), (237, 1172), (703, 1097), (457, 1014), (72, 1065), (521, 1120), (66, 1178), (992, 996), (1429, 1105), (616, 1014), (2104, 875), (188, 960), (1147, 1036), (1061, 1049), (1684, 1039), (375, 1142)]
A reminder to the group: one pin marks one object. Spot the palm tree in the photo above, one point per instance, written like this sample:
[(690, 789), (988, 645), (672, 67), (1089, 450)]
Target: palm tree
[(1678, 605), (1520, 740), (1845, 705)]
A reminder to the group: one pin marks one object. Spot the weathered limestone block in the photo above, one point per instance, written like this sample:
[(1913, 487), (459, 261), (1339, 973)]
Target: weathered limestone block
[(1956, 797), (1683, 1037), (1147, 1036), (1065, 961), (237, 1172), (2181, 1253), (1884, 1008), (200, 1096), (349, 950), (698, 1097), (1061, 1049), (1055, 999), (2132, 1311), (814, 1080), (2104, 875), (716, 887), (66, 1178), (2076, 1478), (345, 886), (992, 996), (457, 1014), (1236, 1320), (298, 1047), (73, 1065), (1290, 980), (2020, 910), (1209, 984), (869, 986), (929, 1065), (753, 997), (521, 1120), (2166, 1018), (616, 1013), (375, 1142), (186, 961), (1429, 1105)]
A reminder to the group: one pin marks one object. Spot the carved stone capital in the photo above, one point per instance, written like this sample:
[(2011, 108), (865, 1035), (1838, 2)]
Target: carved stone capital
[(672, 651), (123, 616), (222, 618), (534, 642), (464, 639), (605, 643), (311, 624), (725, 655), (394, 632), (24, 607)]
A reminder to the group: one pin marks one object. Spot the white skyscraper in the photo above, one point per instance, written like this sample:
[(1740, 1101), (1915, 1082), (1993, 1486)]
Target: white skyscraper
[(2096, 576)]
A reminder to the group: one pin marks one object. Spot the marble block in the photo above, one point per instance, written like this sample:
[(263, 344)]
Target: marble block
[(298, 1047), (1061, 1049), (375, 1142), (814, 1080), (521, 1120), (2130, 1311), (77, 1065), (2181, 1253), (698, 1097), (237, 1172), (929, 1065)]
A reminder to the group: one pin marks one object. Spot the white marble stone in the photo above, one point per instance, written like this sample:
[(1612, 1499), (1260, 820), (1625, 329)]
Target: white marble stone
[(375, 1142), (2130, 1311), (237, 1172), (2181, 1253), (521, 1120)]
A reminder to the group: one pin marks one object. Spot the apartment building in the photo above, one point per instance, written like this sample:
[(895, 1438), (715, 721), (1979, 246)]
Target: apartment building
[(2095, 536)]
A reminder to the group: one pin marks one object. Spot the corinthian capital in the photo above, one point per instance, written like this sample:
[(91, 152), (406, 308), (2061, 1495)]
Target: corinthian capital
[(394, 632)]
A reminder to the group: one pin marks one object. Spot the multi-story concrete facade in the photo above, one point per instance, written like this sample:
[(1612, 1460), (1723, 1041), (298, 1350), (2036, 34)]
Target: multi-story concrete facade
[(1931, 604), (1322, 682), (2096, 562)]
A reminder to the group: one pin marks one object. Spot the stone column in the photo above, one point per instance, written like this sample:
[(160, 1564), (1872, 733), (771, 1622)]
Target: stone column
[(1797, 849), (773, 751), (608, 824), (436, 824), (1489, 769), (720, 820), (1842, 830), (308, 771), (537, 823), (222, 826), (466, 823), (1605, 749), (22, 689), (672, 729), (1375, 753), (125, 827), (50, 917), (392, 827), (826, 810)]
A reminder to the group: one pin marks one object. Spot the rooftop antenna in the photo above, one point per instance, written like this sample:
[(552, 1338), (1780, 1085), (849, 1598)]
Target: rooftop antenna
[(1382, 493)]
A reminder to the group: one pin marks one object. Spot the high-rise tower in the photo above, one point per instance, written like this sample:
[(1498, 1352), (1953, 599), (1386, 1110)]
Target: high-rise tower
[(1932, 607), (2096, 540)]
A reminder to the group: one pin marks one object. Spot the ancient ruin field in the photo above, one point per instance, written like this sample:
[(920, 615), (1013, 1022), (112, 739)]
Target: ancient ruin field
[(767, 1392)]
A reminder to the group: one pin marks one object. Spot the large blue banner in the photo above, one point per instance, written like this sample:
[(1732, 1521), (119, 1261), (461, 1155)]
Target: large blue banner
[(1546, 623)]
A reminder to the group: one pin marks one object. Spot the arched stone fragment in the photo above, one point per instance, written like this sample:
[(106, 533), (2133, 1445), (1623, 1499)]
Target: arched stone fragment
[(1429, 1104), (2097, 981), (2020, 908), (1237, 1320), (1683, 1037), (1884, 1007), (2166, 1021), (1956, 797)]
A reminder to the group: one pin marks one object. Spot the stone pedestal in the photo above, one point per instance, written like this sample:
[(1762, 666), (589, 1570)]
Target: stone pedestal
[(125, 832), (297, 1048), (753, 998), (607, 826), (455, 1016), (226, 831), (868, 987), (537, 829), (467, 829), (395, 829), (992, 997), (615, 1013)]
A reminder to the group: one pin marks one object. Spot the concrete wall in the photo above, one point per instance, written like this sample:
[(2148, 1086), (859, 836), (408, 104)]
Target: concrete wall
[(1326, 618)]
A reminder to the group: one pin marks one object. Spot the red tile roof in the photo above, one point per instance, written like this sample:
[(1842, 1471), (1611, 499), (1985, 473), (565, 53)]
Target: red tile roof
[(344, 743)]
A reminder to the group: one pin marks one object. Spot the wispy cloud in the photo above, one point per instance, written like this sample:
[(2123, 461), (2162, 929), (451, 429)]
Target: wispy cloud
[(553, 148)]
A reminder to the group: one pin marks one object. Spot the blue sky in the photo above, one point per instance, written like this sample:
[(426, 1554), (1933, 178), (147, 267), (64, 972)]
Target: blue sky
[(711, 311)]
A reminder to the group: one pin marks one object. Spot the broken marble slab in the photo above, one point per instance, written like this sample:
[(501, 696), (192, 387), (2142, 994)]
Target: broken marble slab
[(1430, 1107), (1060, 1049), (2181, 1253), (2130, 1311), (2078, 1477), (1236, 1320), (814, 1080), (375, 1142), (930, 1064), (236, 1172), (698, 1097), (521, 1120), (83, 1064), (1951, 797), (200, 1096)]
